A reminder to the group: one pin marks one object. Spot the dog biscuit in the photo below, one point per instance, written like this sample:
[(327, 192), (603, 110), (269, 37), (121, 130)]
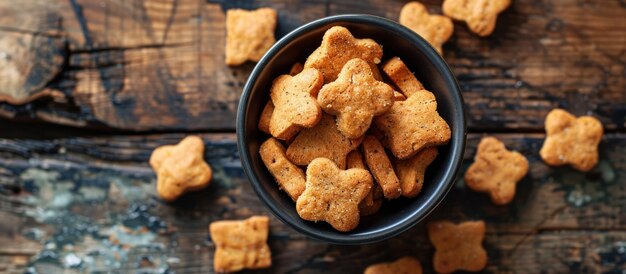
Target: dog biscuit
[(249, 34)]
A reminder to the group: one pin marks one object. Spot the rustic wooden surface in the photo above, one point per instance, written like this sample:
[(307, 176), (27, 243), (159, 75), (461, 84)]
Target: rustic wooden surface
[(89, 87)]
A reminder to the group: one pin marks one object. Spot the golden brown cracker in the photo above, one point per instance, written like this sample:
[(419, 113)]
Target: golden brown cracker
[(458, 246), (180, 168), (323, 140), (398, 96), (294, 102), (333, 195), (380, 167), (296, 68), (435, 29), (338, 47), (369, 205), (480, 15), (496, 170), (355, 98), (290, 177), (241, 244), (249, 34), (402, 77), (266, 116), (411, 125), (571, 140), (404, 265), (411, 171)]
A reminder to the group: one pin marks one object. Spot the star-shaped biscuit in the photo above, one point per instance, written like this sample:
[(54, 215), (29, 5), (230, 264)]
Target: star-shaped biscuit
[(338, 47), (323, 140), (496, 170), (333, 195), (241, 244), (404, 265), (294, 102), (411, 171), (480, 15), (411, 125), (458, 247), (571, 141), (355, 98), (436, 29), (249, 34), (180, 168)]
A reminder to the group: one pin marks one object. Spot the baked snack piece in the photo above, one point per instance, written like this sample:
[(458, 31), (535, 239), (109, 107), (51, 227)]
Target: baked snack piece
[(458, 247), (249, 34), (180, 168), (380, 167), (411, 125), (404, 265), (372, 202), (241, 244), (294, 103), (355, 98), (480, 15), (333, 195), (266, 116), (290, 177), (411, 171), (496, 170), (571, 140), (398, 96), (323, 140), (436, 29), (296, 68), (402, 77), (338, 47)]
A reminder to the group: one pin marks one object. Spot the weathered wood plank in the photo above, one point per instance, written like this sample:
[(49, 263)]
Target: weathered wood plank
[(158, 64), (93, 198)]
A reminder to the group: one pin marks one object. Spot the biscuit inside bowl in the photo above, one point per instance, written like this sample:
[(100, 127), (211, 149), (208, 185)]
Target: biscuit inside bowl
[(395, 216)]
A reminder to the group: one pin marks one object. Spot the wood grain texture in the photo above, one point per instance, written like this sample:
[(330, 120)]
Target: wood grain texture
[(158, 64), (93, 198)]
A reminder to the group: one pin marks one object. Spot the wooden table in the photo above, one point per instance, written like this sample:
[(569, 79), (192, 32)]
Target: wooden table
[(95, 85)]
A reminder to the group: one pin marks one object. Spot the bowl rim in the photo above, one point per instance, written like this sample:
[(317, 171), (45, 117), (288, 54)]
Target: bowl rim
[(458, 137)]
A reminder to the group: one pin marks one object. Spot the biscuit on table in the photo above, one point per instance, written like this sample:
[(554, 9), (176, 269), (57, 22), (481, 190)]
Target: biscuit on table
[(411, 125), (411, 171), (180, 168), (380, 167), (333, 195), (249, 34), (496, 170), (241, 244), (458, 247), (370, 204), (290, 178), (402, 77), (321, 141), (436, 29), (480, 15), (294, 102), (571, 140), (338, 47), (404, 265), (355, 98)]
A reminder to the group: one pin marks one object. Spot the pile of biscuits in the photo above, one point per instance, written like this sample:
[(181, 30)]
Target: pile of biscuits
[(360, 138)]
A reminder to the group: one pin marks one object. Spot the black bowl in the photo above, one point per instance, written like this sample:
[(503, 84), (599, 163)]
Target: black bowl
[(397, 215)]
